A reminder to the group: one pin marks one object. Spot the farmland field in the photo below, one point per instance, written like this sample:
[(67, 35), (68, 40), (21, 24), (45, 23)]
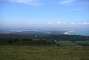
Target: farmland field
[(15, 52)]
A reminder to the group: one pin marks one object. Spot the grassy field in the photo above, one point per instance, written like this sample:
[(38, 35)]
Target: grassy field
[(43, 53)]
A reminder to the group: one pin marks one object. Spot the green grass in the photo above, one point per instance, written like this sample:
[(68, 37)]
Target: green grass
[(43, 53)]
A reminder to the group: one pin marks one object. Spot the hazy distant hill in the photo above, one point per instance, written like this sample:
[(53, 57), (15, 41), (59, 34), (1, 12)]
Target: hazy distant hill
[(49, 35)]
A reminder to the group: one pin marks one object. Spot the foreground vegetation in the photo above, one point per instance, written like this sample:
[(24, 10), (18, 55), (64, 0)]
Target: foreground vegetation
[(43, 49), (15, 52)]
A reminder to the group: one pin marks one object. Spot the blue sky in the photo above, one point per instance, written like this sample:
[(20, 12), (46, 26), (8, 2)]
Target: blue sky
[(25, 13)]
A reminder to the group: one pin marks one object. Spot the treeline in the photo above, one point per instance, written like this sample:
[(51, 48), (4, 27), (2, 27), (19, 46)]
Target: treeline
[(41, 42), (24, 41), (48, 39)]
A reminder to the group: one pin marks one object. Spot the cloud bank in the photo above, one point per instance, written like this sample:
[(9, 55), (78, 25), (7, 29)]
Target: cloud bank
[(27, 2), (67, 2)]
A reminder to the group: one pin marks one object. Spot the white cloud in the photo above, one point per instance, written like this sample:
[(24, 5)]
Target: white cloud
[(86, 23), (27, 2), (49, 23), (59, 22), (66, 2), (68, 32), (67, 23)]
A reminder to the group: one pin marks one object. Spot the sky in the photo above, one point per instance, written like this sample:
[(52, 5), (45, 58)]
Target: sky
[(64, 14)]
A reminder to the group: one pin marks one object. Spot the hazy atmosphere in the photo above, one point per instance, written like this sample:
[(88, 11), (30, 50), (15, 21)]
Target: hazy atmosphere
[(66, 15)]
